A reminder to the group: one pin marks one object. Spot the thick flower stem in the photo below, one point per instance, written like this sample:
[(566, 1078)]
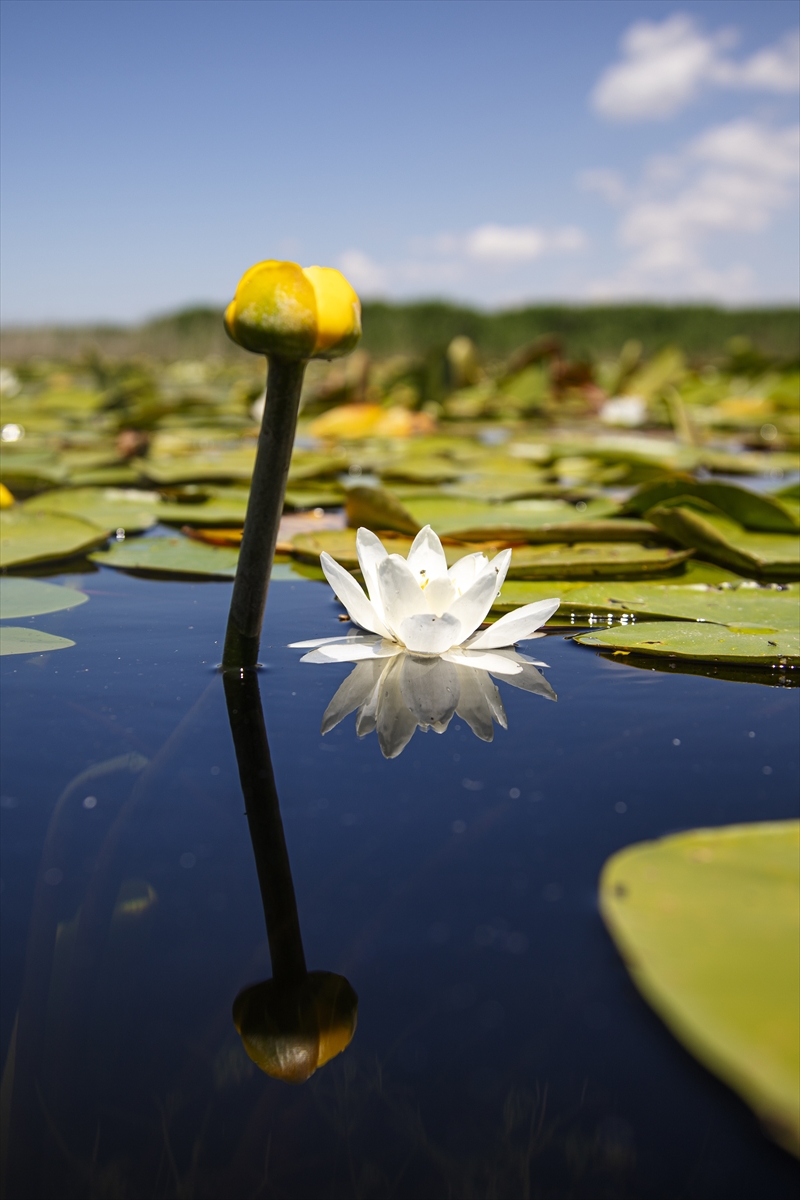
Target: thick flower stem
[(264, 508), (246, 717)]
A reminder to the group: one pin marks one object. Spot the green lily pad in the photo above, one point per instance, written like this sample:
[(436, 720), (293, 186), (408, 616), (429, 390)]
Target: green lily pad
[(341, 544), (227, 507), (170, 556), (315, 497), (27, 537), (475, 521), (32, 597), (108, 508), (27, 470), (707, 923), (760, 513), (21, 639), (720, 539), (699, 640), (587, 560), (195, 468), (377, 509)]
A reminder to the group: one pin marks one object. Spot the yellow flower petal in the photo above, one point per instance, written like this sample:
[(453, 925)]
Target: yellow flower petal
[(338, 312)]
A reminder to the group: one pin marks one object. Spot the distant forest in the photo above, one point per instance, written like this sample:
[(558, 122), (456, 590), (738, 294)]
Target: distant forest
[(591, 331)]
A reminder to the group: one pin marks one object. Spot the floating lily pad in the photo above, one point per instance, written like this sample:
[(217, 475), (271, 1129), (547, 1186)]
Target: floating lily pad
[(753, 511), (21, 639), (586, 560), (714, 643), (27, 537), (170, 556), (377, 509), (108, 508), (707, 923), (194, 468), (341, 544), (722, 540), (32, 597), (495, 522), (227, 509)]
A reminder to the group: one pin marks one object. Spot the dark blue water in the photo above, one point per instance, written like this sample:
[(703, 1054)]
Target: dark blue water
[(501, 1049)]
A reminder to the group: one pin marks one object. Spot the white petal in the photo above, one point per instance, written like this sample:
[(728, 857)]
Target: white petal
[(430, 688), (426, 557), (530, 680), (401, 595), (472, 607), (371, 551), (500, 563), (352, 596), (348, 637), (482, 660), (466, 570), (395, 724), (367, 715), (473, 706), (515, 626), (425, 633), (440, 594), (353, 652), (355, 691)]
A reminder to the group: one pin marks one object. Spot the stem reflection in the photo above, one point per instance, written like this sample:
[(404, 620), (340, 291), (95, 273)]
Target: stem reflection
[(298, 1020)]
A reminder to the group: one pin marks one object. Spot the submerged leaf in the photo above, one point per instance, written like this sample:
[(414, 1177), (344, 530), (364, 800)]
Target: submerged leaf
[(21, 639), (32, 597), (698, 640), (707, 923)]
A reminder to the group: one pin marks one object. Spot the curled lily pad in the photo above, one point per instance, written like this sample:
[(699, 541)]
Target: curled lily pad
[(377, 509), (21, 639), (707, 923), (722, 540), (749, 509), (585, 560), (714, 643), (170, 556), (27, 537), (108, 508), (32, 597)]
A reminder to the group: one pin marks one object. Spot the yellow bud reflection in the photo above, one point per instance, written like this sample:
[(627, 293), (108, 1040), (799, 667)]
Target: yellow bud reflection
[(290, 1030), (286, 311)]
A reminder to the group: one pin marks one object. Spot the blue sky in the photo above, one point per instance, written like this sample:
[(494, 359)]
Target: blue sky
[(492, 152)]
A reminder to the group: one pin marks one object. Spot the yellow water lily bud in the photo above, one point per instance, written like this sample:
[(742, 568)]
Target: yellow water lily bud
[(291, 1031), (6, 498), (286, 311)]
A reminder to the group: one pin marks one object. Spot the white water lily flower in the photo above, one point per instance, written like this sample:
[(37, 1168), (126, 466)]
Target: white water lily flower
[(417, 604)]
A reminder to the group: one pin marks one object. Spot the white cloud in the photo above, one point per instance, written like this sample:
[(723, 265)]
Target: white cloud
[(734, 178), (665, 66), (451, 259)]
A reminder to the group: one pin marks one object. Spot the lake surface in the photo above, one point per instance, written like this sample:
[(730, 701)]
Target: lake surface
[(501, 1049)]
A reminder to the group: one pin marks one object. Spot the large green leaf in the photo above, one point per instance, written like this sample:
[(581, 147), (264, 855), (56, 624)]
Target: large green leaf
[(587, 560), (707, 923), (170, 556), (700, 640), (108, 508), (27, 537), (739, 606), (722, 540), (32, 597), (226, 506), (21, 639), (476, 521), (194, 468), (377, 509), (749, 509)]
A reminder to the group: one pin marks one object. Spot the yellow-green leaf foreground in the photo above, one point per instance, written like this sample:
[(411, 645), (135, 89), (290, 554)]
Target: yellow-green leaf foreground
[(708, 924), (32, 597), (21, 639)]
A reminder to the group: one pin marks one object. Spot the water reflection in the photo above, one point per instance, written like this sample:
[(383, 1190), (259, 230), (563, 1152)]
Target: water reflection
[(298, 1020), (396, 694)]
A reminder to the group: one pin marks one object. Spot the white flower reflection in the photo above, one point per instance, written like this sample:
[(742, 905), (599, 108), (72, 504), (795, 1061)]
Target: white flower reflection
[(419, 658)]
